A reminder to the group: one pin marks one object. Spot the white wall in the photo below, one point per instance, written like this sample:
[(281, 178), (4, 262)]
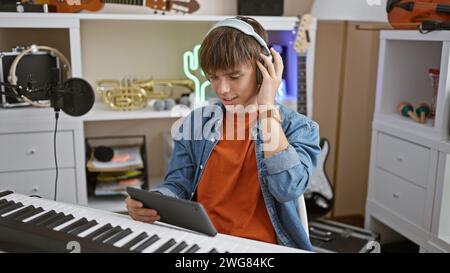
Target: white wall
[(215, 7), (350, 10)]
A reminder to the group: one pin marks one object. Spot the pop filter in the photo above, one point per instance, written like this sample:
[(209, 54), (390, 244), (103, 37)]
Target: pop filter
[(78, 97)]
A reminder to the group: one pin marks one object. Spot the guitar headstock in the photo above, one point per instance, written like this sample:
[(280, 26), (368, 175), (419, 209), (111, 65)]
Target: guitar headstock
[(302, 39), (184, 6)]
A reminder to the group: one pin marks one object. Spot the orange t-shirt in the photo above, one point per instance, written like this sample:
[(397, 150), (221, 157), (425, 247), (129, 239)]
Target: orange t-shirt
[(229, 188)]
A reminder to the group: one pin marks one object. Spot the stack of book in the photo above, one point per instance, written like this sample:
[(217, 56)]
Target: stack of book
[(125, 169)]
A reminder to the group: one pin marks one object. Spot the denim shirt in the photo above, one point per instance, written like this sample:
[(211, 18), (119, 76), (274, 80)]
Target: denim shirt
[(283, 177)]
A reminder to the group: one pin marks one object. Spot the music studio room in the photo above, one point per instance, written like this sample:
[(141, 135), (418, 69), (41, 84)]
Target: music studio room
[(113, 116)]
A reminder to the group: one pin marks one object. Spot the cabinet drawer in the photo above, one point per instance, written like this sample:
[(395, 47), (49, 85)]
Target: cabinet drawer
[(403, 158), (41, 183), (400, 196), (33, 151)]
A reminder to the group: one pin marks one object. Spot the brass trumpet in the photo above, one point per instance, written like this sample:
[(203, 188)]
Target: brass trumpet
[(132, 94)]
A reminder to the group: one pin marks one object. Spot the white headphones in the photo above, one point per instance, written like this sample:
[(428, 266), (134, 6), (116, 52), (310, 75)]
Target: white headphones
[(12, 78), (247, 29)]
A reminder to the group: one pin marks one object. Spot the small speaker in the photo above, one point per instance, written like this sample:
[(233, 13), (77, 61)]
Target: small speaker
[(261, 7)]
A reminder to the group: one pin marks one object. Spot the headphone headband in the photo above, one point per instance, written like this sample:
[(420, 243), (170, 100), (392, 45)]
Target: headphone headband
[(245, 28)]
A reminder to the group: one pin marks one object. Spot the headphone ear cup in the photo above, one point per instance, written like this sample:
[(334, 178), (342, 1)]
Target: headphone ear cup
[(259, 76)]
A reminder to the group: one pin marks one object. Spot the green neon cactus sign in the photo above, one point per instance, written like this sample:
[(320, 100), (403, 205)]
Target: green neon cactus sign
[(191, 68)]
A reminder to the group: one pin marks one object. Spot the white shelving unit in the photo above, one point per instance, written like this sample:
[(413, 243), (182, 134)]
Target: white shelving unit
[(50, 20), (73, 22), (409, 175), (101, 112), (105, 46)]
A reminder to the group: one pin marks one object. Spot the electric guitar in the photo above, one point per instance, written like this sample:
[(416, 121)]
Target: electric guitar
[(301, 44), (67, 6), (319, 196)]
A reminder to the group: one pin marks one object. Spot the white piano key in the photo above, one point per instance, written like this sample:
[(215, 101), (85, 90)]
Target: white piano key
[(91, 229), (46, 209), (25, 203), (12, 211), (178, 236), (107, 219), (158, 242), (136, 231), (179, 239), (164, 235), (162, 240), (15, 198), (206, 247), (57, 228)]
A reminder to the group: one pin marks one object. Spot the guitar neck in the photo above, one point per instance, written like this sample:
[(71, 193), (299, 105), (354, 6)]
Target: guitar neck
[(301, 99), (125, 2), (183, 6)]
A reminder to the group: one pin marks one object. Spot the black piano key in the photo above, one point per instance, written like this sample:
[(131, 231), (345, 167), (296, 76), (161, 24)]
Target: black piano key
[(52, 219), (135, 240), (99, 231), (165, 246), (6, 204), (20, 212), (193, 249), (119, 236), (59, 222), (2, 201), (74, 225), (84, 227), (5, 193), (147, 243), (213, 251), (108, 234), (29, 214), (42, 217), (179, 247), (11, 208)]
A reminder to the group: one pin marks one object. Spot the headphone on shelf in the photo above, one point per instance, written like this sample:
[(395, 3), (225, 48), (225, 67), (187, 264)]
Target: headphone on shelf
[(247, 29), (12, 78), (75, 97)]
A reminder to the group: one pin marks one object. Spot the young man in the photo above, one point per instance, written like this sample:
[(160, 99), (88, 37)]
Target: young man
[(249, 184)]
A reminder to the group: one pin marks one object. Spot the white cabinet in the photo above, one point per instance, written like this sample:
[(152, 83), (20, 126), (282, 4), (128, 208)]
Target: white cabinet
[(404, 159), (27, 161), (400, 197), (42, 183), (409, 172), (34, 150)]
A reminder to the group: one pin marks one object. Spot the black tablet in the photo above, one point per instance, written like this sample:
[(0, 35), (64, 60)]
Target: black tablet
[(178, 212)]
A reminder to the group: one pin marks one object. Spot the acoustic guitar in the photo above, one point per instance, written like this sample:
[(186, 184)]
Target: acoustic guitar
[(71, 6)]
